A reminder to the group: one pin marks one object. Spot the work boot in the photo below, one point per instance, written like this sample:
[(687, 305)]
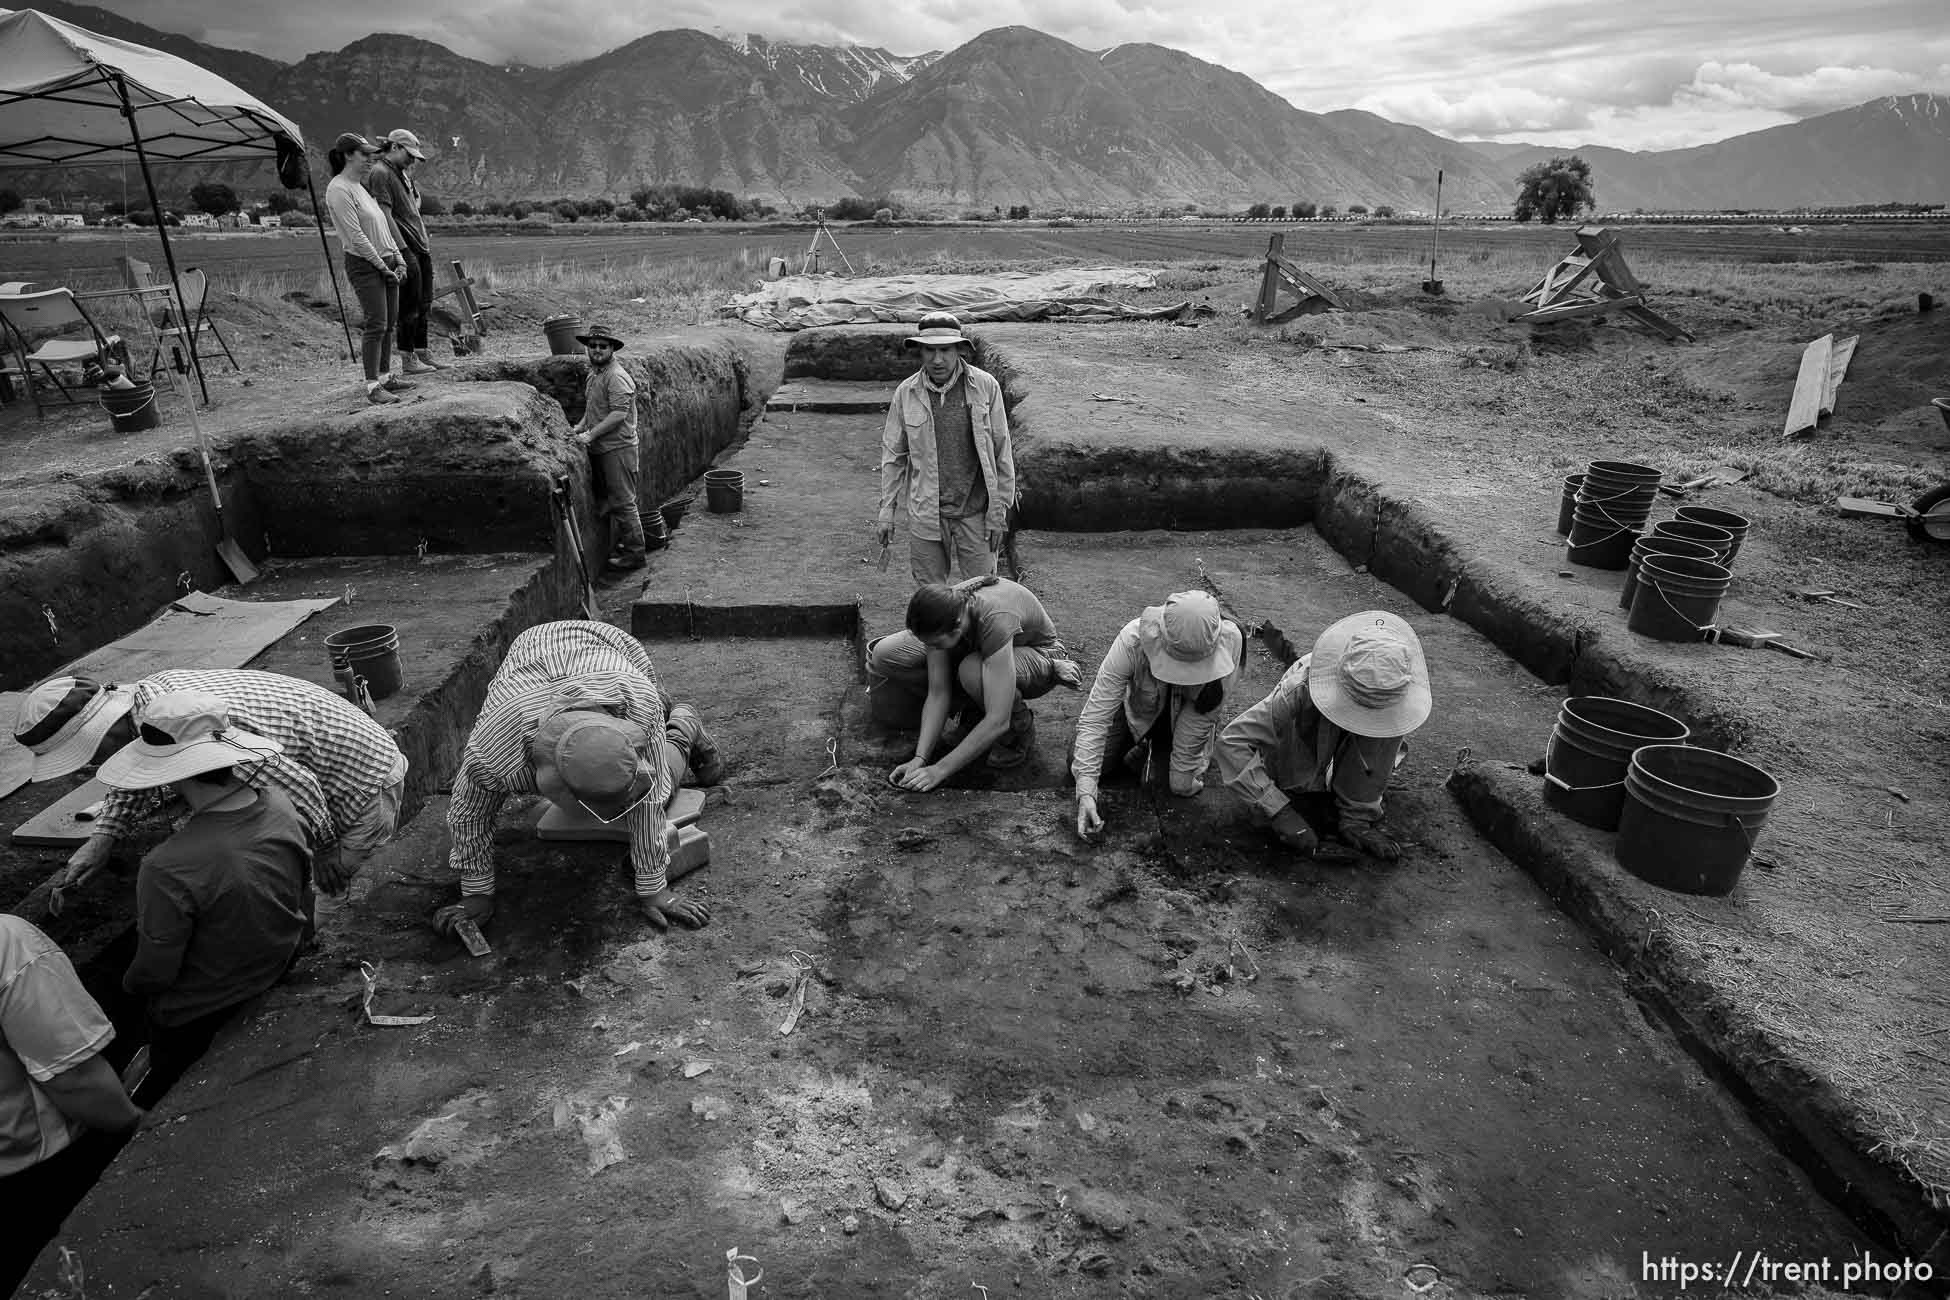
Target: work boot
[(394, 384), (1013, 749), (412, 365), (686, 728), (378, 396), (425, 357)]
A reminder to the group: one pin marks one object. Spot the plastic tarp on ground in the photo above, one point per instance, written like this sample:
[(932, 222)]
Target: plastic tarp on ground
[(1069, 294)]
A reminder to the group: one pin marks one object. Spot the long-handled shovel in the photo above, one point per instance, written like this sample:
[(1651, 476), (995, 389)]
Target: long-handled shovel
[(228, 551)]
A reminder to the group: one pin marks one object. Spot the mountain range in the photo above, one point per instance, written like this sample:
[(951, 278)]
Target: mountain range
[(1012, 116)]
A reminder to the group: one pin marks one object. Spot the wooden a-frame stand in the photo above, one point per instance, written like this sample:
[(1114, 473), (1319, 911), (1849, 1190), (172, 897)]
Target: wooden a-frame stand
[(1592, 282), (468, 311), (1313, 296)]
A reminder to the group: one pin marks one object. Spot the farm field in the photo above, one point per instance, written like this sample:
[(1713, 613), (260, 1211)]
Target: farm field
[(88, 260)]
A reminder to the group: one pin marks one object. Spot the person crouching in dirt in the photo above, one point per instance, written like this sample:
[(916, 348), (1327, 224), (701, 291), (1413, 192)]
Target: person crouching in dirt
[(1314, 757), (1157, 693), (985, 647), (223, 906), (608, 429), (945, 456), (575, 715)]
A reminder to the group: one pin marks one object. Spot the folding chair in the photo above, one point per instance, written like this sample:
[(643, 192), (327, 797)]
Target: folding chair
[(54, 312), (196, 289)]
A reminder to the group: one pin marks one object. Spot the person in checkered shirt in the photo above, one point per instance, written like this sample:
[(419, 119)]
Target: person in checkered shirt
[(340, 769), (575, 715)]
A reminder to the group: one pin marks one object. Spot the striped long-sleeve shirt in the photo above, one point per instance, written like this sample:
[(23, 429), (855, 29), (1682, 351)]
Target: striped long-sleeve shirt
[(335, 757), (546, 666)]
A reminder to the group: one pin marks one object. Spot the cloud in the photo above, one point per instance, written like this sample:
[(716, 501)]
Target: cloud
[(1648, 74)]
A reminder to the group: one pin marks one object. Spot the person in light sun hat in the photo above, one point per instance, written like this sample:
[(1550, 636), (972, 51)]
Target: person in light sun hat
[(1314, 756), (223, 905), (1157, 692)]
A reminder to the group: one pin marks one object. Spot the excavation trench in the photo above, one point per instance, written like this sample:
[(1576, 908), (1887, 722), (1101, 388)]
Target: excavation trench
[(1422, 1059)]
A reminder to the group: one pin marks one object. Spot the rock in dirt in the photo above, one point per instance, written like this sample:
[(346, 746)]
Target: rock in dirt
[(600, 1136), (889, 1193), (431, 1143), (850, 1225), (707, 1108), (911, 839), (794, 1211), (1102, 1211)]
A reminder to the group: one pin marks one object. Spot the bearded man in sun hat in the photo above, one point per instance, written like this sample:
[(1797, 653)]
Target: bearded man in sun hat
[(1156, 696), (1314, 756), (224, 904), (947, 469), (608, 429)]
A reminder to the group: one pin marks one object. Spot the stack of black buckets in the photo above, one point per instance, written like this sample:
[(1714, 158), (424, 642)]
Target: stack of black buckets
[(1686, 817)]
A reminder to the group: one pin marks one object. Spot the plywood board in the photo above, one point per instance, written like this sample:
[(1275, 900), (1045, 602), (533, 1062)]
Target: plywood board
[(1805, 408), (57, 826), (1837, 367)]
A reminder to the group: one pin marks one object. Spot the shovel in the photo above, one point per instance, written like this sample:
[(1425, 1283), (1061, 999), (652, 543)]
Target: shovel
[(228, 551)]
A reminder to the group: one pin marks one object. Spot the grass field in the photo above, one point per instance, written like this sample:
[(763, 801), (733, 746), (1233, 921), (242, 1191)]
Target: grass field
[(253, 263)]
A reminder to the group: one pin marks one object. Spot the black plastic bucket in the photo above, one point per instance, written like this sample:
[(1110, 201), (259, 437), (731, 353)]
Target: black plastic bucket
[(1736, 525), (1678, 597), (1590, 748), (724, 491), (1599, 540), (1572, 482), (133, 409), (656, 533), (1691, 817), (1705, 534), (371, 651), (1653, 544), (561, 332)]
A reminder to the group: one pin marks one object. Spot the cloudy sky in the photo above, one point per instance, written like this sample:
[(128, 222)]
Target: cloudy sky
[(1643, 74)]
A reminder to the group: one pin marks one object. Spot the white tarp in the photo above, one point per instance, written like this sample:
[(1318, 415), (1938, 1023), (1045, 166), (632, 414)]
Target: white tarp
[(1071, 293), (61, 99)]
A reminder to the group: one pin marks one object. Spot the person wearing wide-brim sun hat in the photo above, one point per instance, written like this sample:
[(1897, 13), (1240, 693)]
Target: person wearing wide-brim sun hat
[(224, 904), (608, 429), (1156, 696), (1314, 756), (947, 469)]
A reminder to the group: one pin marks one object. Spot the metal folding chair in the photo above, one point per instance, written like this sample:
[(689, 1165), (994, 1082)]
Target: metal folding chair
[(53, 313), (196, 290)]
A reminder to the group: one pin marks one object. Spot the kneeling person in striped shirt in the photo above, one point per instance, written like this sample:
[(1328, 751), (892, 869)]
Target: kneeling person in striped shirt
[(338, 767), (575, 715)]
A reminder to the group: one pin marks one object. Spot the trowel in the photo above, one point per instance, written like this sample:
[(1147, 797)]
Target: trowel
[(228, 551)]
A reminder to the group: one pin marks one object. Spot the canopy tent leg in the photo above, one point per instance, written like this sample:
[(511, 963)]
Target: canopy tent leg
[(162, 227), (332, 271)]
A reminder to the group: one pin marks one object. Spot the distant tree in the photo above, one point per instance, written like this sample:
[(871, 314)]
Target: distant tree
[(1384, 211), (294, 220), (1259, 210), (142, 217), (1306, 211), (493, 208), (114, 208), (9, 201), (566, 211), (1329, 212), (885, 216), (1357, 210), (517, 209), (1554, 189), (279, 202), (431, 206), (462, 208), (1279, 212), (628, 212), (213, 198)]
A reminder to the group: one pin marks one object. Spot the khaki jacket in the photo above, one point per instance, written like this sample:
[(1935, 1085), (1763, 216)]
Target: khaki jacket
[(909, 467)]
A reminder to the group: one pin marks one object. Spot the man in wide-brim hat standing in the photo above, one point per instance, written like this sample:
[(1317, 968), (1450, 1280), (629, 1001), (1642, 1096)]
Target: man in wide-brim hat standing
[(608, 429), (1331, 734), (222, 906), (945, 458)]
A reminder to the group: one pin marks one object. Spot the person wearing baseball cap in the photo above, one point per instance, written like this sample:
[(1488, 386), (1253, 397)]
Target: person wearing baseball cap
[(1331, 734), (390, 181), (223, 905), (373, 264), (575, 714), (946, 462), (1157, 693), (608, 429)]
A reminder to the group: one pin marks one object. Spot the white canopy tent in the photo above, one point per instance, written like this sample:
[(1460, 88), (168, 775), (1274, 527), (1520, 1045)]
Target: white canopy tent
[(70, 97)]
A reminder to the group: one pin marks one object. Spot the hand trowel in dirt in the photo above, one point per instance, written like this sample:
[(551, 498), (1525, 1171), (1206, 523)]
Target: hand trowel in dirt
[(228, 551)]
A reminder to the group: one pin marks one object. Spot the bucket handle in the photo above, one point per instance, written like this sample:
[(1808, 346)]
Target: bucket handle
[(1550, 749), (1598, 501), (113, 415), (1707, 631), (1585, 546)]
